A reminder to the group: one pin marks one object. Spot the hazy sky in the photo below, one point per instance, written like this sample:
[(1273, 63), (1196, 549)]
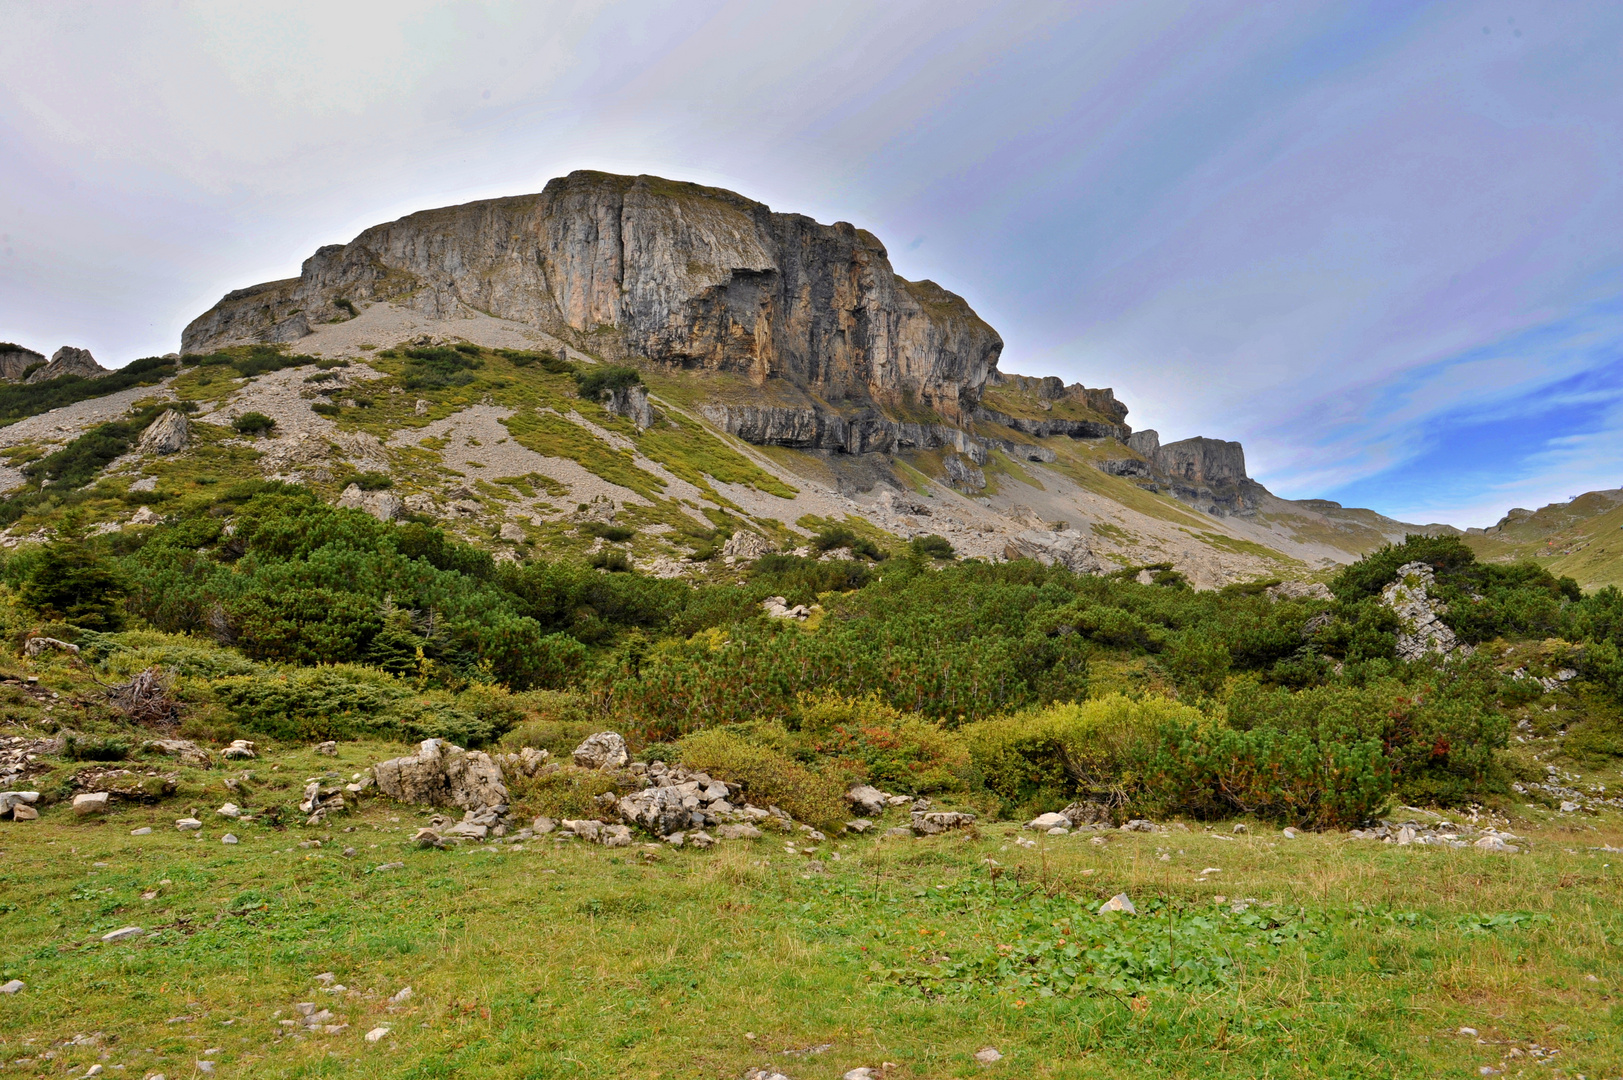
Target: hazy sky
[(1379, 243)]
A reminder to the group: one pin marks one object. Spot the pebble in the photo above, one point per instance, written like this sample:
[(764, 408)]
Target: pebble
[(94, 1070), (122, 933), (229, 838), (392, 866), (988, 1055), (863, 1073), (145, 830), (376, 1033), (1119, 902), (1289, 834), (403, 994), (13, 987)]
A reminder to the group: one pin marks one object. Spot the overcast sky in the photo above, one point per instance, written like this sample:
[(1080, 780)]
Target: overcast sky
[(1379, 243)]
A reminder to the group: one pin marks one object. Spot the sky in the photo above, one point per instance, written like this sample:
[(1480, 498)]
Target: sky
[(1381, 244)]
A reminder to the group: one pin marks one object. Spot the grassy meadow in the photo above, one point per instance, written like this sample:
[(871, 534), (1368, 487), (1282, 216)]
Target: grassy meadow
[(1318, 956)]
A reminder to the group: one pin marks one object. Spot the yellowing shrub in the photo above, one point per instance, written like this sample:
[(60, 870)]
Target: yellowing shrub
[(768, 775)]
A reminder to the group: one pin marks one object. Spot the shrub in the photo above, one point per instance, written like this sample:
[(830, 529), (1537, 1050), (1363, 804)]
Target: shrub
[(767, 775), (616, 534), (565, 793), (325, 408), (838, 536), (555, 721), (1096, 750), (933, 547), (253, 423), (612, 559), (72, 580), (864, 739), (597, 381), (85, 748), (368, 481)]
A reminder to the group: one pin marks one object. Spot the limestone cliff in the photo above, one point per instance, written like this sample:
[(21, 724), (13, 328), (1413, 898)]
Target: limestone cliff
[(639, 266), (15, 360)]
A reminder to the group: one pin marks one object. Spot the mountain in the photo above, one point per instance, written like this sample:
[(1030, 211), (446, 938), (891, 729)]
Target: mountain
[(1581, 538), (786, 381)]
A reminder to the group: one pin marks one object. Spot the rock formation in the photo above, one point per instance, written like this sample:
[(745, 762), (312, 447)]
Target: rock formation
[(165, 435), (1421, 629), (69, 361), (441, 774), (16, 360), (639, 266)]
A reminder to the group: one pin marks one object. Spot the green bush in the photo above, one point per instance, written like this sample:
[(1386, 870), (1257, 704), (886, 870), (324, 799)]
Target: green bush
[(253, 423), (597, 381), (1097, 751), (768, 776), (838, 536), (866, 740), (368, 481), (72, 580), (88, 748), (933, 547)]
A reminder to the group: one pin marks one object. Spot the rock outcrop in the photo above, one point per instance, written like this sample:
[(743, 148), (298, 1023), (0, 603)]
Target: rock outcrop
[(69, 361), (865, 431), (16, 360), (166, 435), (1421, 630), (640, 266), (1066, 547), (441, 774), (383, 505)]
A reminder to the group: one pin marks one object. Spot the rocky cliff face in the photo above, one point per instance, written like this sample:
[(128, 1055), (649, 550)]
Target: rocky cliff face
[(640, 266), (69, 361), (15, 360)]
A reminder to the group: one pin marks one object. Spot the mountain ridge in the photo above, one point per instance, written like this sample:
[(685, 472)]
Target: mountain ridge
[(792, 379)]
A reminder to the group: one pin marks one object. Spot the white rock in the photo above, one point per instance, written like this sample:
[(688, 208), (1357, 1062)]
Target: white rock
[(228, 838), (605, 750), (988, 1055), (869, 800), (403, 994), (188, 823), (122, 933), (230, 810), (376, 1033), (1044, 822), (1119, 902), (145, 830), (1059, 830), (13, 987), (1471, 1031), (1289, 833), (94, 802), (239, 748), (1493, 843), (863, 1073)]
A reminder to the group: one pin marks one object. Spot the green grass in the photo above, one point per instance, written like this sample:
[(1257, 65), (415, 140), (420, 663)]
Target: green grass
[(552, 435), (1352, 958)]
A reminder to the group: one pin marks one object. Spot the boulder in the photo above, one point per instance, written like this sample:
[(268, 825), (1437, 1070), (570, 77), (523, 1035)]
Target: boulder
[(441, 774), (605, 750), (383, 505), (38, 646), (90, 803), (936, 822), (239, 750), (13, 801), (1120, 902), (165, 435), (869, 800), (1044, 822), (631, 402), (183, 750), (513, 534), (745, 546), (1066, 547), (146, 516), (777, 607), (188, 824)]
